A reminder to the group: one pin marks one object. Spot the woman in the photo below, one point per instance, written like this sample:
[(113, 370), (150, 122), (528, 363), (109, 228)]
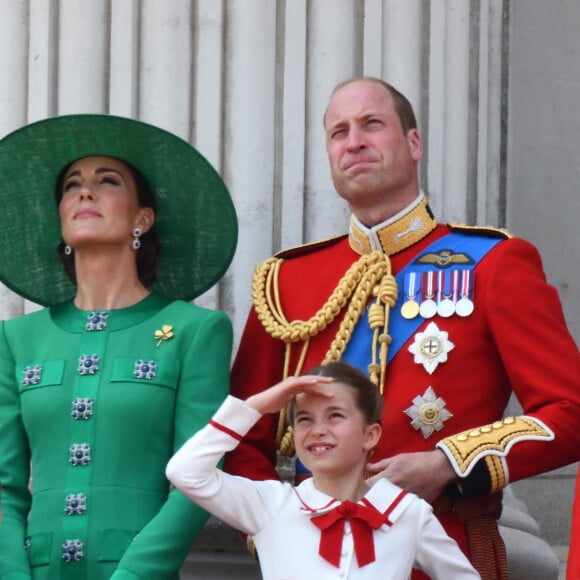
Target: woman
[(99, 389)]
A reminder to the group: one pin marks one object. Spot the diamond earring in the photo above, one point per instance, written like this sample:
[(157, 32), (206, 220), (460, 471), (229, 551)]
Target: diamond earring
[(136, 242)]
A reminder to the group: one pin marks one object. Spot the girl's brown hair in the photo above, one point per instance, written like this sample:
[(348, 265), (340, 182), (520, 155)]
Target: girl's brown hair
[(367, 397)]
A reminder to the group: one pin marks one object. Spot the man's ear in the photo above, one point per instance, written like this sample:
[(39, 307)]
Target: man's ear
[(415, 144)]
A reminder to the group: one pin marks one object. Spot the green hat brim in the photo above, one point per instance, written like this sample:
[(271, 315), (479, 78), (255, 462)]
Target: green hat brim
[(195, 218)]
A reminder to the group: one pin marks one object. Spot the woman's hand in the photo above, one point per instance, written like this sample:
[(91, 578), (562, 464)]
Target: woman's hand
[(277, 397)]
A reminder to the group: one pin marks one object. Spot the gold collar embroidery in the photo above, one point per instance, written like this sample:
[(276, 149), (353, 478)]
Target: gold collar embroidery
[(395, 234)]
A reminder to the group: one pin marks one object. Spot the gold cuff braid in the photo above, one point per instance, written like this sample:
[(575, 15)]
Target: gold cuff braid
[(492, 443)]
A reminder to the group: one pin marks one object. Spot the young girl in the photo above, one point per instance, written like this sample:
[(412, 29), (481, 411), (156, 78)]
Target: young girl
[(331, 523)]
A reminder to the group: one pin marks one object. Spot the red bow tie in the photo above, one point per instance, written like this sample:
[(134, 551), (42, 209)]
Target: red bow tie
[(363, 520)]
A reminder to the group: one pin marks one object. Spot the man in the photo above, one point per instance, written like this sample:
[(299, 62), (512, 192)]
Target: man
[(447, 320)]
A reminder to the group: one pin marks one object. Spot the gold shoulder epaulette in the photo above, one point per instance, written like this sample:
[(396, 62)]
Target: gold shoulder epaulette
[(492, 443), (483, 230), (305, 249)]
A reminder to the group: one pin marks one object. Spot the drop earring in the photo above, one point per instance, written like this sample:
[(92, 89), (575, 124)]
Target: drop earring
[(136, 242), (67, 250)]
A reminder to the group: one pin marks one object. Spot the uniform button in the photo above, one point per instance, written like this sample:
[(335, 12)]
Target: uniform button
[(82, 408), (72, 550), (75, 504), (88, 364), (96, 321), (145, 369), (31, 375), (80, 454)]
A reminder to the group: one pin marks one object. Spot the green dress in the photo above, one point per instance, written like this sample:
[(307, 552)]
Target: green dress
[(96, 404)]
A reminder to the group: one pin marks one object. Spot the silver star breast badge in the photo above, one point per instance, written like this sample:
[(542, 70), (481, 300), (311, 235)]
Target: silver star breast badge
[(428, 413)]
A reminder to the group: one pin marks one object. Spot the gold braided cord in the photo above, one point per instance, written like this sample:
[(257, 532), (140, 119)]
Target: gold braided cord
[(386, 297), (376, 322), (265, 295), (287, 441), (369, 275), (272, 285)]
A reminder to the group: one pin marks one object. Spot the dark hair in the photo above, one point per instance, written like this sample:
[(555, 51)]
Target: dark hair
[(148, 255), (367, 396), (402, 105)]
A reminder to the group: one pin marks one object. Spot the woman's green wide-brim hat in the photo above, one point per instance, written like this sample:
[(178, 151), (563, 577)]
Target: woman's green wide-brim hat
[(195, 219)]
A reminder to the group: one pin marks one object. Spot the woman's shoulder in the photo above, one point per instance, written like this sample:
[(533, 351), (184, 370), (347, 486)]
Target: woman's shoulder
[(194, 311), (196, 318), (26, 321)]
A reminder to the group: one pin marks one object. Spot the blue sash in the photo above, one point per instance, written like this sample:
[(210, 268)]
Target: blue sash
[(358, 353)]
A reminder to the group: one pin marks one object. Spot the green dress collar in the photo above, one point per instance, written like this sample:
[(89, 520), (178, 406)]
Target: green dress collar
[(68, 317)]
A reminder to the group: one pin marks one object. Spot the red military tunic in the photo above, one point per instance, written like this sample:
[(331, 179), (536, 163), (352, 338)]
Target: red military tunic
[(515, 340)]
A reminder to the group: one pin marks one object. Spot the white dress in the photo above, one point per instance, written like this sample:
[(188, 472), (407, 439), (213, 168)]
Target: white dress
[(277, 515)]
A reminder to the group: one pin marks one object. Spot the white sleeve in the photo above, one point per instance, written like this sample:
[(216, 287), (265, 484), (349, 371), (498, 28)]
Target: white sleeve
[(240, 502), (438, 555)]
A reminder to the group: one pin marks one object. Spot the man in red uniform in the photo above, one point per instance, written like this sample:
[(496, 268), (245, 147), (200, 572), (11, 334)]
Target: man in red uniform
[(447, 320)]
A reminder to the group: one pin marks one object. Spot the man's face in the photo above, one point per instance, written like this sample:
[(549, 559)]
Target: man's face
[(370, 156)]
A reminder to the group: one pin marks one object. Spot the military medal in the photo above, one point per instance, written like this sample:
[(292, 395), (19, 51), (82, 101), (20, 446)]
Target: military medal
[(410, 308), (464, 306), (428, 307), (428, 413), (445, 305), (431, 347)]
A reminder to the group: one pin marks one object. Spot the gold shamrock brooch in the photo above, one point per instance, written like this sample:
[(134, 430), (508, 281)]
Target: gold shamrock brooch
[(165, 333)]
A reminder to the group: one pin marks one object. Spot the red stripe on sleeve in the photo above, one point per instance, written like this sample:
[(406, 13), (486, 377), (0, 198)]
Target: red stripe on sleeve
[(225, 430)]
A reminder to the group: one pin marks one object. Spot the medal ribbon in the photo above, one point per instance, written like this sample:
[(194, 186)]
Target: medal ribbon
[(455, 285), (363, 520), (465, 283), (410, 285), (444, 284), (427, 285)]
